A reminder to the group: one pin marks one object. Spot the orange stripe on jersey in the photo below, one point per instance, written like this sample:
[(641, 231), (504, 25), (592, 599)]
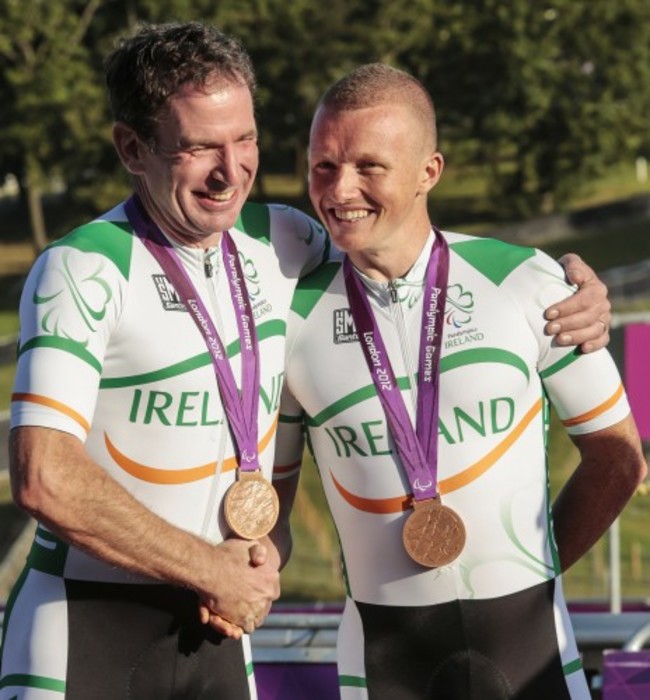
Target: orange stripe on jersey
[(471, 473), (56, 405), (154, 475), (397, 504), (595, 412), (281, 469), (373, 505)]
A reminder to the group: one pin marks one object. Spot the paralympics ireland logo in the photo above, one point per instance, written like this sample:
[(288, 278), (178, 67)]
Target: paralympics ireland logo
[(460, 305)]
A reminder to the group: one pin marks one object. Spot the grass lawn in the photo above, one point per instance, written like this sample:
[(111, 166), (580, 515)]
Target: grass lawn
[(8, 323), (6, 383)]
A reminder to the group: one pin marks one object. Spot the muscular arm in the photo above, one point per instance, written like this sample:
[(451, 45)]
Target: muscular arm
[(55, 481), (582, 319), (611, 467)]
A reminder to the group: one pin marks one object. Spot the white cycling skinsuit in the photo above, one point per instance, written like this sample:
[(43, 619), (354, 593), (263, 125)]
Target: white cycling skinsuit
[(493, 624), (109, 354)]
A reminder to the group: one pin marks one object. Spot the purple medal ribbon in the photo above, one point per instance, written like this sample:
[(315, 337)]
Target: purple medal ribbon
[(241, 409), (417, 448)]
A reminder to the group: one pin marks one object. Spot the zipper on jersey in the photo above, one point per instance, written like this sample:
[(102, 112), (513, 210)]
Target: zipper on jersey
[(210, 261), (397, 312)]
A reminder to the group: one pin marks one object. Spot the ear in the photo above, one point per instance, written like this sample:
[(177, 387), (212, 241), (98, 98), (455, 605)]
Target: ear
[(433, 166), (129, 147)]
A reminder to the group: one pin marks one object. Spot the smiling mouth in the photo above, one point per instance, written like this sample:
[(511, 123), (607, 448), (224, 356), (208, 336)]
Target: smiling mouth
[(351, 215), (218, 196)]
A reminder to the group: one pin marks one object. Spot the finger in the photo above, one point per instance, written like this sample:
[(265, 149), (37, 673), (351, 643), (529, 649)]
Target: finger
[(589, 338), (583, 322), (590, 299), (218, 623), (227, 629), (593, 345), (204, 614), (258, 554), (249, 624), (576, 269)]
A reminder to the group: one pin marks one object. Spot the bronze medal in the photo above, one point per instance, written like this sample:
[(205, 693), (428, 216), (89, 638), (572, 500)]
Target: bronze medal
[(433, 535), (251, 506)]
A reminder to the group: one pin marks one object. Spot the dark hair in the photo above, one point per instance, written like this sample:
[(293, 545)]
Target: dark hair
[(374, 84), (154, 64)]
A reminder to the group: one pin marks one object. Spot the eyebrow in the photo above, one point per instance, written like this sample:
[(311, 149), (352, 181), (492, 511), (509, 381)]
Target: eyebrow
[(184, 143)]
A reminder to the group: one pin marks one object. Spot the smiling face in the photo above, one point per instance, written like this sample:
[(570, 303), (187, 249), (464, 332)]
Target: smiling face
[(195, 180), (370, 171)]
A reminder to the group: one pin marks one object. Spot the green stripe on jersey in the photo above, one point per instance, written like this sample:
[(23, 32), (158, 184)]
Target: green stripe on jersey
[(362, 394), (268, 329), (472, 357), (495, 259), (24, 680), (352, 682), (255, 221), (290, 419), (458, 359), (311, 288), (58, 343), (569, 358), (48, 553), (572, 667), (113, 239)]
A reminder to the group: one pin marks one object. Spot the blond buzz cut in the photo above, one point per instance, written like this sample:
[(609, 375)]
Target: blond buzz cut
[(374, 84)]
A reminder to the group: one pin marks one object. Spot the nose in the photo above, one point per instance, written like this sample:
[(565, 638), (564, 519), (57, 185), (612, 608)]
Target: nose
[(344, 184), (226, 165)]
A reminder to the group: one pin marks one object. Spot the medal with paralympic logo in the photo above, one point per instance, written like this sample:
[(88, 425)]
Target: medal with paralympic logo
[(251, 505), (434, 534)]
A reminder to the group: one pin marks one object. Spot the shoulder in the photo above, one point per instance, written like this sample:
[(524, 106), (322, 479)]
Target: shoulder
[(264, 221), (491, 257), (299, 242), (312, 288), (110, 236)]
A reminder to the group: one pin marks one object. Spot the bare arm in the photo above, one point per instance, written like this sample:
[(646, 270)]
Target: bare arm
[(582, 319), (55, 481), (611, 467)]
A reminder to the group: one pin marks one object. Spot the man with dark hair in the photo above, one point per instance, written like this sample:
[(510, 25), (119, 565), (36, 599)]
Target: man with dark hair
[(146, 397), (418, 366)]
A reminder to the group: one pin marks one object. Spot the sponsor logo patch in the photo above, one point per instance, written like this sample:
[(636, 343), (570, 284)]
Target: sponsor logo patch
[(344, 330), (168, 294)]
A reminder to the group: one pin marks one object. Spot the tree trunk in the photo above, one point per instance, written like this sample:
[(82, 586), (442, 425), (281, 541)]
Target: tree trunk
[(35, 206), (36, 218)]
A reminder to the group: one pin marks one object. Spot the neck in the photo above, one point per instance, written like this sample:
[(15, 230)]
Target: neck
[(172, 232), (390, 263)]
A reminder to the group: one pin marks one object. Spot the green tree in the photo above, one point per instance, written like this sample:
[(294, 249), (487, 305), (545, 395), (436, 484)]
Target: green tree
[(547, 94), (53, 103)]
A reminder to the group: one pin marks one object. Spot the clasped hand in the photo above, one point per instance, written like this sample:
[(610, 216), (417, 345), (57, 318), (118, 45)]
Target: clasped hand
[(247, 586)]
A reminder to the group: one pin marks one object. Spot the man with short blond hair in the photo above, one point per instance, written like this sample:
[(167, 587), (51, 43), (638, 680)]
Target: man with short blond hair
[(419, 368)]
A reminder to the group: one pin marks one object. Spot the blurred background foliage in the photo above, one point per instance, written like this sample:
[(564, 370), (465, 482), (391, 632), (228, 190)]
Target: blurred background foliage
[(543, 97)]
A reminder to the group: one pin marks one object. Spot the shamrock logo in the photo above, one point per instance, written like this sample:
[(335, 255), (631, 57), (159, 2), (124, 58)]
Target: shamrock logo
[(90, 295), (460, 305), (252, 276)]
